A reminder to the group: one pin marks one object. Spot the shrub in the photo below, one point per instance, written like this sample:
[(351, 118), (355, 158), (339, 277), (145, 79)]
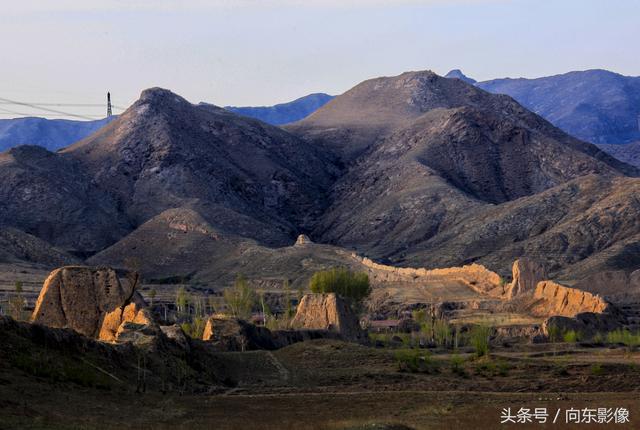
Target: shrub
[(596, 369), (457, 365), (419, 316), (486, 368), (560, 369), (503, 368), (351, 285), (598, 338), (554, 333), (624, 337), (479, 337), (571, 336), (441, 332), (414, 361)]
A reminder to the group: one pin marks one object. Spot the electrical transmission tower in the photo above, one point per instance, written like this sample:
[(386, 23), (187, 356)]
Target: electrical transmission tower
[(109, 105)]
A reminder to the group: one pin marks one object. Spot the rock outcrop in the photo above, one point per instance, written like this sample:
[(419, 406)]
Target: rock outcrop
[(526, 276), (91, 301), (557, 300), (328, 312)]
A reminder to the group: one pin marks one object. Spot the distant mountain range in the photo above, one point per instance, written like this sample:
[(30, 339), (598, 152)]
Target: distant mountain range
[(593, 105), (597, 106), (54, 134), (51, 134), (285, 113)]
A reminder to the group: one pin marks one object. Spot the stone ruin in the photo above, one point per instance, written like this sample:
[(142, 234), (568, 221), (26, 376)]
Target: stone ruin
[(564, 307), (526, 276), (93, 302), (328, 312)]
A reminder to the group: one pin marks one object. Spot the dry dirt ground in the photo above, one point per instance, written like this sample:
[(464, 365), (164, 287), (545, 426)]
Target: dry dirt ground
[(334, 385)]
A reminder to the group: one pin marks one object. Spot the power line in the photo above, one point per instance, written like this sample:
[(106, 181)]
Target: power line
[(13, 112), (43, 107), (60, 104)]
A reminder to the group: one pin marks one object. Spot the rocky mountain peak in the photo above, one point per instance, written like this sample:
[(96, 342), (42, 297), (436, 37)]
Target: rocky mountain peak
[(457, 74), (161, 96)]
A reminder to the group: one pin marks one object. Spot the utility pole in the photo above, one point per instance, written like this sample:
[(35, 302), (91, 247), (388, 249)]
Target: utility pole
[(109, 105)]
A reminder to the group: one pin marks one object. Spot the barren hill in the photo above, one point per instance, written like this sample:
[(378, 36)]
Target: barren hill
[(437, 154), (416, 169), (51, 197), (373, 109), (240, 174)]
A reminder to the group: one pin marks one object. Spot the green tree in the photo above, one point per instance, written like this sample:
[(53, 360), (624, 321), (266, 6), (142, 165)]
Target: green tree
[(152, 296), (289, 311), (182, 301), (17, 302), (479, 337), (351, 285), (240, 298)]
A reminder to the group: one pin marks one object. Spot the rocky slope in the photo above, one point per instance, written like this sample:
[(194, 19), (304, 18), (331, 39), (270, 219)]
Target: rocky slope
[(17, 246), (53, 198)]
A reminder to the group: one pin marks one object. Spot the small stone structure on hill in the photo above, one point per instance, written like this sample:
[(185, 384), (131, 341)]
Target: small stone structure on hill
[(302, 239)]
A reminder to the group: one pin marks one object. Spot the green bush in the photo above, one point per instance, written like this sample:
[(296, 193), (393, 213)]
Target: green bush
[(486, 368), (479, 337), (419, 316), (457, 365), (503, 368), (415, 361), (350, 285), (555, 334), (624, 337), (596, 369), (598, 338), (571, 336)]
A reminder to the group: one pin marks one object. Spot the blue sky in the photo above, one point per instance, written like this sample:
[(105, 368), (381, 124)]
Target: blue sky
[(251, 52)]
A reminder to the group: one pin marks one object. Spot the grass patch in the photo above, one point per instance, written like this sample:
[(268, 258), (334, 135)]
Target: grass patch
[(59, 368), (416, 361)]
